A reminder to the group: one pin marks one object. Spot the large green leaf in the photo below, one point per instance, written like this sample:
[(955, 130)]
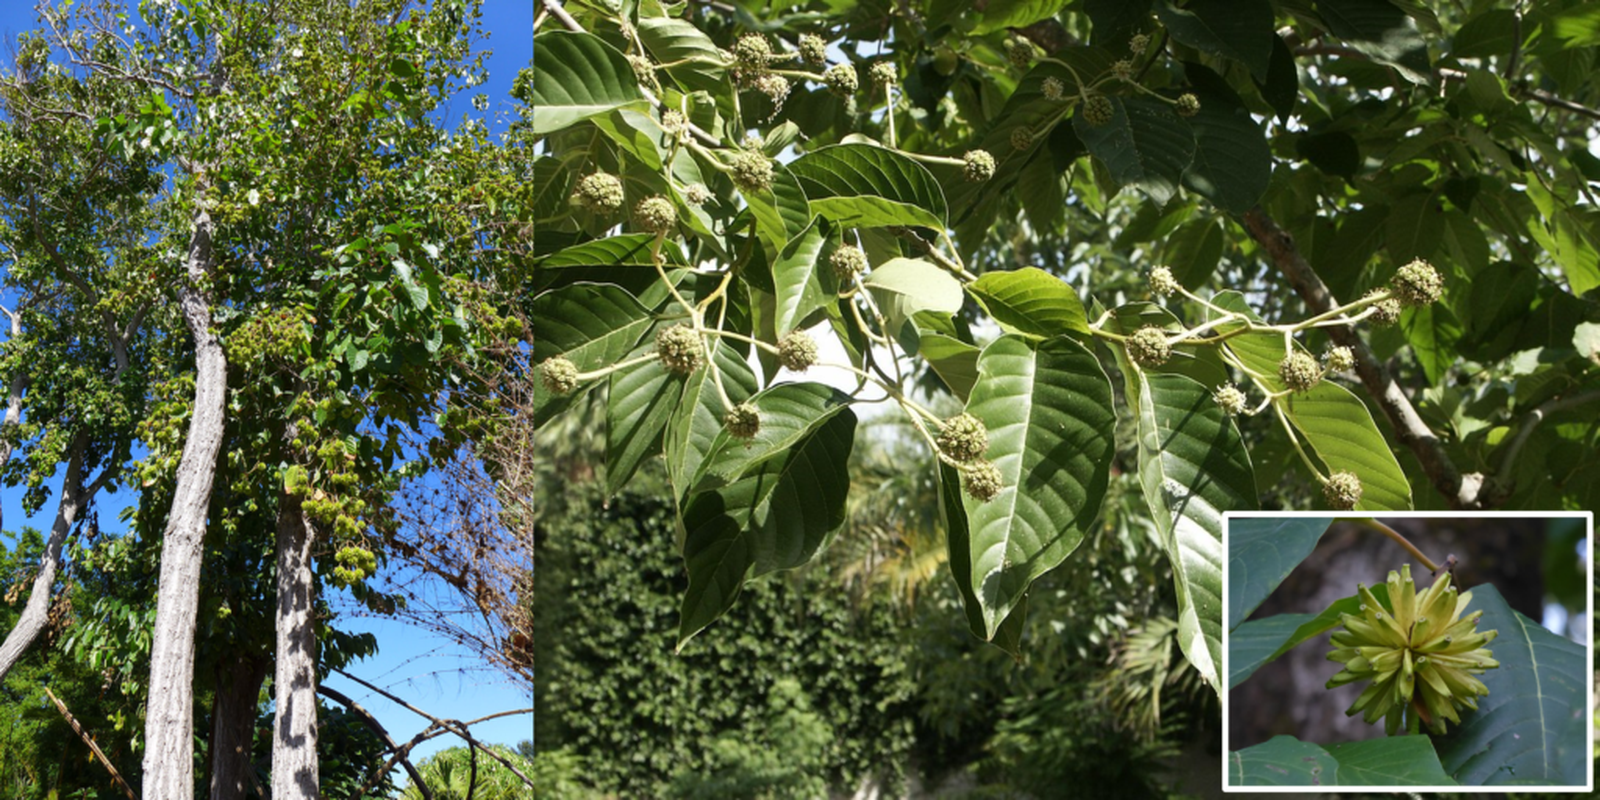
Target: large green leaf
[(1382, 31), (863, 186), (1145, 145), (801, 280), (1001, 14), (575, 77), (1030, 301), (789, 412), (1236, 29), (1048, 409), (781, 212), (958, 539), (1193, 466), (1232, 163), (640, 402), (685, 52), (1282, 761), (1533, 725), (592, 325), (1391, 761), (1432, 332), (1340, 429), (625, 260), (697, 420), (776, 516), (1262, 641), (903, 287), (1262, 551), (955, 361)]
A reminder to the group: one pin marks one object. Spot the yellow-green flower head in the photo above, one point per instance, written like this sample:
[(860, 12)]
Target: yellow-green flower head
[(1421, 655)]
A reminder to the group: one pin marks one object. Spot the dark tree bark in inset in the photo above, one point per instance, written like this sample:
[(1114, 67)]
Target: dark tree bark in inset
[(233, 721)]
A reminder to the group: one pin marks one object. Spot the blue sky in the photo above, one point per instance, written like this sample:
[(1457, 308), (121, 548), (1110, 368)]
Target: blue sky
[(412, 663)]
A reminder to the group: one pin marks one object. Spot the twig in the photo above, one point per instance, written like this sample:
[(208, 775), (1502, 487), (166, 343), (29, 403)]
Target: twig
[(372, 722), (89, 740), (1530, 423), (1460, 491), (1398, 537)]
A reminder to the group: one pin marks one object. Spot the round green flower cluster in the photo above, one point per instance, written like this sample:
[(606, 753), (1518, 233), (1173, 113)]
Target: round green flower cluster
[(813, 50), (1148, 346), (797, 351), (1097, 110), (656, 215), (842, 79), (978, 165), (751, 171), (1054, 89), (599, 192), (983, 481), (1422, 656), (883, 73), (963, 438), (1020, 53), (1299, 371), (1385, 312), (743, 421), (1162, 283), (1021, 137), (1188, 105), (848, 261), (1340, 358), (679, 349), (558, 375), (1122, 69), (1342, 490), (753, 52), (354, 565), (1230, 399), (1417, 284)]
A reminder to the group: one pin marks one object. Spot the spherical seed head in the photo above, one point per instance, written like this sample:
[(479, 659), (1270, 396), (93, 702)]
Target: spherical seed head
[(883, 73), (842, 79), (1138, 43), (1417, 284), (1299, 371), (1097, 110), (1340, 358), (963, 438), (797, 351), (656, 214), (696, 194), (1230, 399), (1021, 137), (1020, 52), (848, 261), (674, 122), (1342, 491), (1122, 69), (743, 421), (1162, 283), (751, 171), (679, 349), (978, 165), (1384, 312), (600, 192), (1148, 346), (643, 70), (558, 375), (773, 86), (1188, 105), (983, 481), (813, 50), (1054, 89), (752, 51)]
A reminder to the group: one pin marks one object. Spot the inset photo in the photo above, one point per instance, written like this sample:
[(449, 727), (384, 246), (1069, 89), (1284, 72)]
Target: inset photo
[(1420, 651)]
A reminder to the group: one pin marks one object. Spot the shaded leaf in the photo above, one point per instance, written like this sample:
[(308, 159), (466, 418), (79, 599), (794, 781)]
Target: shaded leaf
[(1262, 551), (958, 538), (1282, 761), (1145, 145), (1236, 29), (575, 77), (801, 279), (592, 325)]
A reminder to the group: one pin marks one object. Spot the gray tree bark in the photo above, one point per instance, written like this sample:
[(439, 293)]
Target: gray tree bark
[(294, 737), (233, 724), (19, 381), (37, 611), (169, 722)]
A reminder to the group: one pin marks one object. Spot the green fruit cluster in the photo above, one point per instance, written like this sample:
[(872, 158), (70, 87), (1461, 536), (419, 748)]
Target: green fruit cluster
[(558, 375), (797, 351), (600, 192), (978, 165), (1148, 346), (983, 481), (679, 349), (1299, 371), (963, 438), (743, 421), (848, 261), (1097, 110), (1422, 656), (1342, 490)]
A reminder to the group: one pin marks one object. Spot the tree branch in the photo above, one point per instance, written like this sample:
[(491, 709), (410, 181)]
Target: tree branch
[(1460, 491), (1501, 485), (377, 727)]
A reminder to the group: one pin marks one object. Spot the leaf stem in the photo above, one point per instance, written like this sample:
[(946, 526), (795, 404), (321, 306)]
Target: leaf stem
[(1398, 537)]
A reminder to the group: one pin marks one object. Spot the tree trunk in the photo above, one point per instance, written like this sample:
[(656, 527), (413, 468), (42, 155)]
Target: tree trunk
[(169, 724), (37, 611), (294, 739), (233, 724), (13, 407)]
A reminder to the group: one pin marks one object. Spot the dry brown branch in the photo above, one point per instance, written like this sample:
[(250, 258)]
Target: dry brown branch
[(89, 740)]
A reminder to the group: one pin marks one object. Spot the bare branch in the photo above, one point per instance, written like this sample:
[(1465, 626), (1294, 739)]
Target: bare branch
[(377, 727)]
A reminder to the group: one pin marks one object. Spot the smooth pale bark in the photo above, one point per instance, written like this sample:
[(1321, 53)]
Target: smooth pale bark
[(169, 724), (37, 612), (294, 730), (233, 724), (13, 407)]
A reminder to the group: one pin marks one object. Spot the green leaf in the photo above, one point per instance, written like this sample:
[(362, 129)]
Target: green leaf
[(1282, 761), (1282, 85), (413, 291), (693, 59), (955, 361), (1259, 641), (1145, 145), (1030, 301), (1578, 26), (863, 186), (1193, 467), (789, 413), (1048, 409), (1382, 31), (1236, 29), (1415, 228), (641, 401), (1001, 14), (624, 260), (905, 286), (1433, 333), (1262, 551), (781, 213), (1192, 252), (1491, 32), (1527, 720), (1390, 761), (801, 280), (592, 325), (697, 420), (575, 77), (774, 517), (958, 539), (1232, 163), (1340, 429)]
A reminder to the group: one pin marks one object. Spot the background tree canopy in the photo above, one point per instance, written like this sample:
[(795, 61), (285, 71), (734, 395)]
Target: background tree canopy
[(1173, 258)]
